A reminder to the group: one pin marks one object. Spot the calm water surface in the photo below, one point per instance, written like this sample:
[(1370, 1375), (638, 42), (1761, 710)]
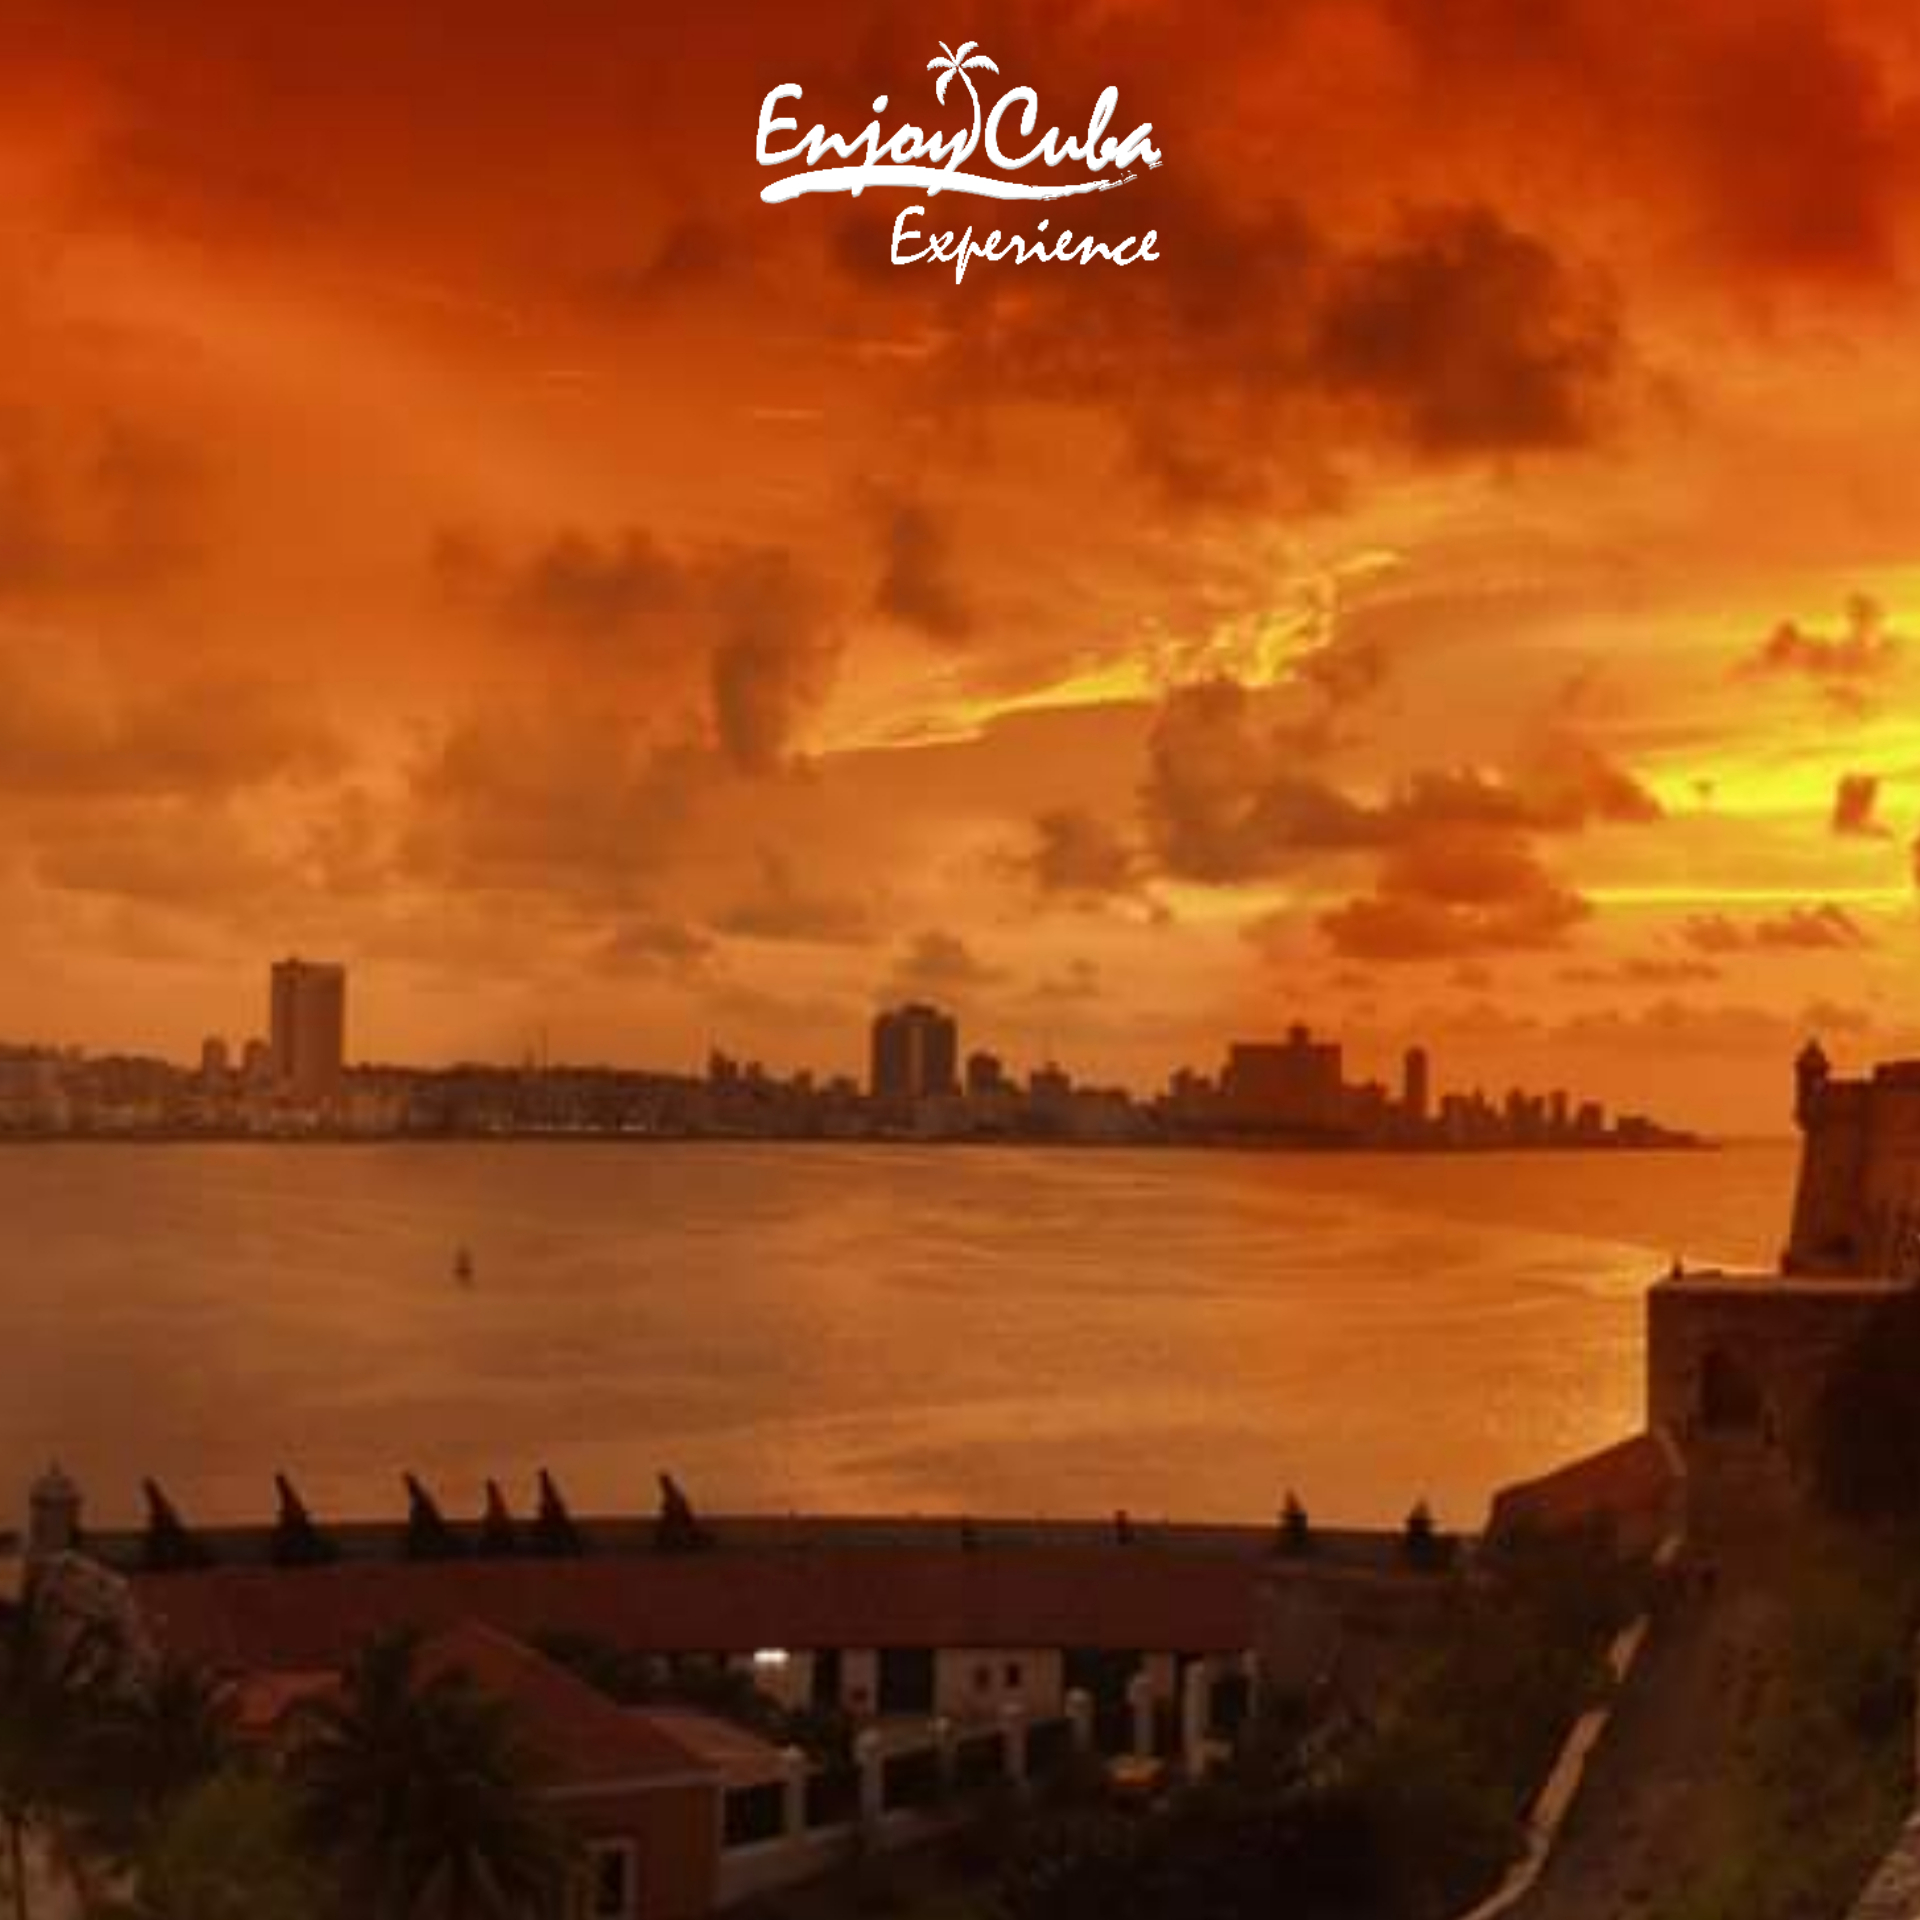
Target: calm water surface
[(840, 1327)]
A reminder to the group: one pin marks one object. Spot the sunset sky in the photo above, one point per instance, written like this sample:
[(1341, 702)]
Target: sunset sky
[(449, 524)]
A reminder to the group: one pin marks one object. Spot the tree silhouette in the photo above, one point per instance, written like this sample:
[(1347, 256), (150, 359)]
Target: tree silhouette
[(154, 1743), (947, 66), (54, 1682), (417, 1785), (228, 1850)]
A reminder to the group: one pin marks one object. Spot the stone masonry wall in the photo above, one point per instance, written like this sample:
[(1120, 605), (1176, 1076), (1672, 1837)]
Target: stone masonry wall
[(1736, 1366)]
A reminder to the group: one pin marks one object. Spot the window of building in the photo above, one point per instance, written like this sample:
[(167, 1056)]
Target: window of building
[(906, 1680), (982, 1679), (613, 1881), (1015, 1676)]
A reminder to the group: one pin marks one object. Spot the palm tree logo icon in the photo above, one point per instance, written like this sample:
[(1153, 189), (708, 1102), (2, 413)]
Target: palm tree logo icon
[(947, 67)]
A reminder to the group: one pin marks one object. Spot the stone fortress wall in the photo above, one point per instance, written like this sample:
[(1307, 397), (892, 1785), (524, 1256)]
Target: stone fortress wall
[(1857, 1207), (1736, 1366), (1737, 1362)]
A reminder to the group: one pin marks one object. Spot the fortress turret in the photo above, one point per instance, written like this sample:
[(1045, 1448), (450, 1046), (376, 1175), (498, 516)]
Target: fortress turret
[(53, 1515), (1811, 1074), (1859, 1167)]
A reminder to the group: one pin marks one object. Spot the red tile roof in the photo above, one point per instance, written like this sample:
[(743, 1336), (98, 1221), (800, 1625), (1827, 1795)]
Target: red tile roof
[(742, 1759), (585, 1739), (240, 1618)]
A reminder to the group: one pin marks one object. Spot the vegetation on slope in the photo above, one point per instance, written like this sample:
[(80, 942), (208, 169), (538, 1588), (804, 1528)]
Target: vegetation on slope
[(1823, 1775), (1406, 1814), (1795, 1821)]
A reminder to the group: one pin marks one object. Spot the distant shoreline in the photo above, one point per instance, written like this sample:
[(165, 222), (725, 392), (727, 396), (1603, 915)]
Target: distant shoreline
[(537, 1137)]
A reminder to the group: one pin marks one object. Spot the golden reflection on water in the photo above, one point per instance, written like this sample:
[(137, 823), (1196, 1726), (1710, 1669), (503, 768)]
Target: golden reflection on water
[(936, 1330)]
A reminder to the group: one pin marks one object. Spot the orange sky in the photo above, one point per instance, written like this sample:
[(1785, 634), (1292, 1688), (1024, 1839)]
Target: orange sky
[(449, 523)]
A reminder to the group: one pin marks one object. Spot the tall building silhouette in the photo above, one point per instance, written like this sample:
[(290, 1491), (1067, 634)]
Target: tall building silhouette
[(309, 1028), (1416, 1087), (986, 1075), (1296, 1084), (916, 1052)]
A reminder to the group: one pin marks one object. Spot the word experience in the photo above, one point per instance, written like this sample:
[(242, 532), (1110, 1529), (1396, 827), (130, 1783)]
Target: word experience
[(1063, 248)]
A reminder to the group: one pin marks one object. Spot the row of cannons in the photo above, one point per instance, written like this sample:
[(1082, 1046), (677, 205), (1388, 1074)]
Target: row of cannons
[(170, 1544)]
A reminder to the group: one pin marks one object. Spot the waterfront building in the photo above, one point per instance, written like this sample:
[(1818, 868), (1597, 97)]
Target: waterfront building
[(1416, 1087), (33, 1094), (1297, 1085), (986, 1076), (308, 1023), (915, 1054)]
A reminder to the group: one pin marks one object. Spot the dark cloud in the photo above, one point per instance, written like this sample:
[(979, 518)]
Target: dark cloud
[(564, 802), (1802, 150), (1276, 352), (941, 966), (1226, 801), (1456, 889), (101, 506), (1826, 928), (349, 848), (650, 944), (1472, 337), (1079, 857), (1677, 1027), (207, 734), (1563, 785), (691, 258), (1347, 670), (1224, 805), (774, 660), (1846, 666), (781, 907), (1774, 138), (575, 585), (1073, 985), (189, 855), (1856, 802), (918, 583), (748, 619), (1569, 784), (1643, 970)]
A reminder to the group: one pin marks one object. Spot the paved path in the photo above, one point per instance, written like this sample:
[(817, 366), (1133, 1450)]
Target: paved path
[(1894, 1891), (1637, 1828)]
